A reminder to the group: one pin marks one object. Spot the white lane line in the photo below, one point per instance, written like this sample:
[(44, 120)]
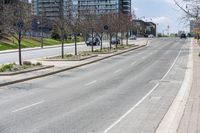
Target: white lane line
[(130, 110), (138, 103), (90, 83), (117, 71), (171, 66), (133, 63), (23, 108)]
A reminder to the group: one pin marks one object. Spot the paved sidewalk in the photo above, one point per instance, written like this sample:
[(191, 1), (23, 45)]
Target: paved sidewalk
[(190, 122)]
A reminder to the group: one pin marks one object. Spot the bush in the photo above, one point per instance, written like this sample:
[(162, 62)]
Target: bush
[(38, 64), (6, 67), (27, 63)]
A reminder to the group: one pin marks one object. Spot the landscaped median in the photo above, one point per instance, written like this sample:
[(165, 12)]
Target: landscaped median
[(14, 69), (68, 63)]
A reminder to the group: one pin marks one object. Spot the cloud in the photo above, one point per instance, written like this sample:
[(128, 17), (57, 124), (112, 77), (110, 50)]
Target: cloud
[(161, 20)]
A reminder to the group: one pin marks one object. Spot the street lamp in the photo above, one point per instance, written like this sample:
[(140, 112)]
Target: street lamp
[(42, 34)]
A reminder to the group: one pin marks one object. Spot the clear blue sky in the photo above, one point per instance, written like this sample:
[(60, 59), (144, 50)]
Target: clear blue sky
[(163, 12)]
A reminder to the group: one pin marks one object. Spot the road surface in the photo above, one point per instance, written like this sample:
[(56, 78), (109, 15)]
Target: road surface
[(129, 93)]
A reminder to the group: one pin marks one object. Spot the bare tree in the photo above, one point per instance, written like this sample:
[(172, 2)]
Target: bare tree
[(75, 28), (17, 21), (191, 8)]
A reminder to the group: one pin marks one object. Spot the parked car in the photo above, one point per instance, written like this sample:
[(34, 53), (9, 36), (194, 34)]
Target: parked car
[(151, 36), (133, 37), (183, 36), (96, 41), (115, 41)]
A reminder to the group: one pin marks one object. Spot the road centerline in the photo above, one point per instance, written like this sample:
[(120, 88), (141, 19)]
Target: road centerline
[(133, 63), (28, 106), (117, 71), (90, 83)]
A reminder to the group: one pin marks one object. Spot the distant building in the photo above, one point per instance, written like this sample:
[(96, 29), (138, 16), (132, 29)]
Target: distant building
[(104, 6), (143, 29), (51, 9)]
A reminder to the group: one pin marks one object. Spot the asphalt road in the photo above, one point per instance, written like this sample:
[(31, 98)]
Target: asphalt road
[(129, 93), (9, 57)]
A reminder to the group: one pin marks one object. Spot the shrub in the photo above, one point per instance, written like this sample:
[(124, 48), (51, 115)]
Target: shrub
[(27, 63), (38, 64), (6, 67)]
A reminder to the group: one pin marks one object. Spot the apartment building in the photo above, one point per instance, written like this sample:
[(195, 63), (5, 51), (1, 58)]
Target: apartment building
[(104, 6), (51, 9)]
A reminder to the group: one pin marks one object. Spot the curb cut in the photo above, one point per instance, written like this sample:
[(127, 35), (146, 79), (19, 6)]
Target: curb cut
[(69, 68), (171, 120)]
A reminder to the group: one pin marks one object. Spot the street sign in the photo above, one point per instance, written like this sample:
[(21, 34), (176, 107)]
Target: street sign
[(20, 24), (105, 27)]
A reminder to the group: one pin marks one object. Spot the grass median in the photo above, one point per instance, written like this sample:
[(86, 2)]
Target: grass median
[(9, 43)]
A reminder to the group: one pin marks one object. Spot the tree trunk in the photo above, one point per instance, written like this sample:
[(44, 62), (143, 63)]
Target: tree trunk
[(62, 47), (110, 41), (19, 47), (127, 38), (122, 38), (116, 43), (75, 45), (101, 47)]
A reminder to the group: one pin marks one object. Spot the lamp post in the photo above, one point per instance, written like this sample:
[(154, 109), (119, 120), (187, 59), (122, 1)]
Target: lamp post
[(42, 34)]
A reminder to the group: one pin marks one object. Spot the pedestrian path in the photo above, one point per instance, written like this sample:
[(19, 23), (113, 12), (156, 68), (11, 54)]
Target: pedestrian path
[(190, 122)]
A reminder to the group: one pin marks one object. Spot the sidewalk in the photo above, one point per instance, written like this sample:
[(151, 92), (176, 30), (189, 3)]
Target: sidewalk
[(190, 122)]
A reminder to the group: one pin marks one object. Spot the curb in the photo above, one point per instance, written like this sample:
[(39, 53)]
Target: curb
[(69, 68), (171, 120), (84, 58), (25, 71)]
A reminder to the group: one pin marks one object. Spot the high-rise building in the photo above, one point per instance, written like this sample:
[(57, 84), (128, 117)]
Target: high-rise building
[(51, 9), (104, 6)]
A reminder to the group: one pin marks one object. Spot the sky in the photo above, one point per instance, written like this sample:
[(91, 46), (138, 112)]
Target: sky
[(161, 12)]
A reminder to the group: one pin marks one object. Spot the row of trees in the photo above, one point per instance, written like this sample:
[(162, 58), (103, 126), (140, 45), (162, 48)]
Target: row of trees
[(16, 20), (191, 8)]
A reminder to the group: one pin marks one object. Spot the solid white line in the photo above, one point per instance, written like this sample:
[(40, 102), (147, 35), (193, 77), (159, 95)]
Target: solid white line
[(138, 103), (90, 83), (130, 110), (27, 106), (171, 66), (117, 71)]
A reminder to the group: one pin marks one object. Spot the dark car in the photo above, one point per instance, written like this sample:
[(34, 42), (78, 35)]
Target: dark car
[(183, 36), (95, 40), (115, 41)]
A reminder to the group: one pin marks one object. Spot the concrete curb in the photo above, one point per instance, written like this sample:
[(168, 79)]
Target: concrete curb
[(84, 58), (25, 71), (69, 68), (172, 118), (38, 48)]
